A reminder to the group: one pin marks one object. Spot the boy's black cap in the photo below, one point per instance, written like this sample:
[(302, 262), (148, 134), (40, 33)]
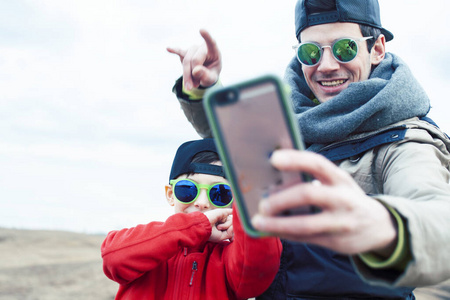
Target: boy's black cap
[(365, 12), (182, 161)]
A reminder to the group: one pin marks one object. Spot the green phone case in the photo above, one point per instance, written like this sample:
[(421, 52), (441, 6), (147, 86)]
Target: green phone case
[(224, 132)]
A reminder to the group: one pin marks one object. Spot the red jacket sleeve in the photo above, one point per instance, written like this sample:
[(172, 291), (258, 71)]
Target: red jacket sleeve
[(129, 253), (252, 263)]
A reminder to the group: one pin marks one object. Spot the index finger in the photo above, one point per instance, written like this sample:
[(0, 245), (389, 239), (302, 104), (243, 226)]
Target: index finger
[(223, 213), (312, 163), (211, 44)]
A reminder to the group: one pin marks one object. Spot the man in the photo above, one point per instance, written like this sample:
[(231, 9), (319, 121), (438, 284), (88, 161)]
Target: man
[(384, 188)]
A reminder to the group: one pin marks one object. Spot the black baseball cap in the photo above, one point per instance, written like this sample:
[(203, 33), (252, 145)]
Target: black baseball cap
[(365, 12), (182, 163)]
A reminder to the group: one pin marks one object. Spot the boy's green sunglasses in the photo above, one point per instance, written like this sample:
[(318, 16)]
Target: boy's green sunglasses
[(187, 191), (344, 50)]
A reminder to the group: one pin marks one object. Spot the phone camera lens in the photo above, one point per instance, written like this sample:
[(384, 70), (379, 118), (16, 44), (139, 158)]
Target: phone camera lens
[(227, 96), (231, 95)]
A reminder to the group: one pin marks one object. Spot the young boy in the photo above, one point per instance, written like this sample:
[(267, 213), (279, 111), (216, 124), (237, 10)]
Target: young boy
[(200, 252)]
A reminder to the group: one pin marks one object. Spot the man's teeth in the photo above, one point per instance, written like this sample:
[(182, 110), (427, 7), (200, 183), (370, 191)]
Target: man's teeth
[(332, 83)]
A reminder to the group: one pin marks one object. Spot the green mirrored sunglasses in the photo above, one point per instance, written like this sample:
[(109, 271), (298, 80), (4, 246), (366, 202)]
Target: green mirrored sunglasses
[(344, 50)]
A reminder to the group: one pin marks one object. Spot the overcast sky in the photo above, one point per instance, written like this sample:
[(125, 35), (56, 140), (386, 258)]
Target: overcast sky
[(88, 123)]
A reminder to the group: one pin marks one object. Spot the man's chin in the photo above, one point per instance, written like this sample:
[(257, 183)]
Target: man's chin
[(326, 98)]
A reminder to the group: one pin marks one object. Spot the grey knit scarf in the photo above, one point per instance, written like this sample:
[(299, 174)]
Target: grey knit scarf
[(390, 95)]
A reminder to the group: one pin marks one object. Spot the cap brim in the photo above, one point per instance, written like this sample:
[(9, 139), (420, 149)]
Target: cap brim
[(389, 36)]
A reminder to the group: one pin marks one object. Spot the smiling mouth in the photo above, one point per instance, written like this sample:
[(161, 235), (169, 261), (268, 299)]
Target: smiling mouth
[(332, 83)]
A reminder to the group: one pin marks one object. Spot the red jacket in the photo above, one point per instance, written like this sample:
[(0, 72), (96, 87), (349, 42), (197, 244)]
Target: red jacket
[(174, 260)]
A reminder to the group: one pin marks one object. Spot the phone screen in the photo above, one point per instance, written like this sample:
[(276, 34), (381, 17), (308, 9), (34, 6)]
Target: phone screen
[(252, 121)]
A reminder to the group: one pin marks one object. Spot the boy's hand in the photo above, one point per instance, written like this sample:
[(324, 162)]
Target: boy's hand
[(221, 220), (201, 64), (227, 226)]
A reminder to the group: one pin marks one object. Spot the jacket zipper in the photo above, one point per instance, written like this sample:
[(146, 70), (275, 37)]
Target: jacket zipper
[(194, 270), (192, 288), (178, 279)]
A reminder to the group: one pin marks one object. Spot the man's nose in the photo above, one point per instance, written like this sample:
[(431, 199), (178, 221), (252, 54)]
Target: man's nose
[(328, 62)]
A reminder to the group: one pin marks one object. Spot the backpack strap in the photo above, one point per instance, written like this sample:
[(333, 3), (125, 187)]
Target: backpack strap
[(354, 148)]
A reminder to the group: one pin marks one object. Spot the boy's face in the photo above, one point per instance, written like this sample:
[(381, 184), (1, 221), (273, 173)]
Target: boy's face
[(202, 202)]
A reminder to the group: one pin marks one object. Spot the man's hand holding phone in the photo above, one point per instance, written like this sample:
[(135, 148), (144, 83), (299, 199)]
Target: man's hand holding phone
[(347, 222)]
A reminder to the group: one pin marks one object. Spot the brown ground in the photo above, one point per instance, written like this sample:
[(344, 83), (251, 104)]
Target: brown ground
[(54, 265)]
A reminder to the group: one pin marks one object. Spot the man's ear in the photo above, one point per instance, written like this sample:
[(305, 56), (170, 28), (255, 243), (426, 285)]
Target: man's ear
[(169, 195), (378, 50)]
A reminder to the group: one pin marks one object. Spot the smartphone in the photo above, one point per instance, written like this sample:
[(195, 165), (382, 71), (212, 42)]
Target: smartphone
[(249, 121)]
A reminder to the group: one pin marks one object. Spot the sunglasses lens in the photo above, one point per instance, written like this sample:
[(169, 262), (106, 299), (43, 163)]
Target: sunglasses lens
[(345, 50), (185, 191), (221, 195), (309, 54)]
